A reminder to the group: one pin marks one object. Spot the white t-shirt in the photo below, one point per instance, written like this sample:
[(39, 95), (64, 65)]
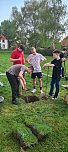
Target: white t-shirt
[(35, 61)]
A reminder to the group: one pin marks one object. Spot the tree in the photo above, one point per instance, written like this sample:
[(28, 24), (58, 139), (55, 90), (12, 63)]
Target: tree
[(51, 17), (8, 29), (30, 16), (39, 20)]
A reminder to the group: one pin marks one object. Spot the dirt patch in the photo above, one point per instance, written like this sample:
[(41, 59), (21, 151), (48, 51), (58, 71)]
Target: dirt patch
[(29, 99), (20, 139), (44, 97)]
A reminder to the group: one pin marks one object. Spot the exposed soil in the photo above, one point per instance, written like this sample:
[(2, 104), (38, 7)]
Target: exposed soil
[(44, 97), (31, 99), (21, 141)]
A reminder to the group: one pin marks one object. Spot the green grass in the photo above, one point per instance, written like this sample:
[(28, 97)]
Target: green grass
[(25, 134), (55, 115)]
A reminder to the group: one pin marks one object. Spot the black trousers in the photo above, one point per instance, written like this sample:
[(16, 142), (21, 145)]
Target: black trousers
[(14, 83)]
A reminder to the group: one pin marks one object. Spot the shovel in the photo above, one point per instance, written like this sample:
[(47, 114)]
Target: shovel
[(46, 86), (25, 97), (47, 80)]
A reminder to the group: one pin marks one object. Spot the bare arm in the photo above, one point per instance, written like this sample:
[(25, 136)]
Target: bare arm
[(13, 60), (48, 65), (43, 60), (23, 80), (28, 59)]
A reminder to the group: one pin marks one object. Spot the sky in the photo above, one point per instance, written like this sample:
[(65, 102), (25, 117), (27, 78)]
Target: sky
[(6, 7)]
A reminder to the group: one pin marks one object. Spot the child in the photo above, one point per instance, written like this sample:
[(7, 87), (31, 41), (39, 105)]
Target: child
[(56, 74), (35, 59)]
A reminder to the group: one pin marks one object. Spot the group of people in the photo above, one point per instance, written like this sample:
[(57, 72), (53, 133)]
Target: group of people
[(16, 73)]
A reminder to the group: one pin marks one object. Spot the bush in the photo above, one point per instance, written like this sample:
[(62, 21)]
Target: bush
[(45, 51)]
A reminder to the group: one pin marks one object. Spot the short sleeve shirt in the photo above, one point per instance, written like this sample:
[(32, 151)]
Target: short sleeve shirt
[(17, 54), (15, 69), (35, 61), (56, 69)]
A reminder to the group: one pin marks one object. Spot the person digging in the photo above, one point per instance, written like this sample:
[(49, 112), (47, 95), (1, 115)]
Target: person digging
[(13, 73)]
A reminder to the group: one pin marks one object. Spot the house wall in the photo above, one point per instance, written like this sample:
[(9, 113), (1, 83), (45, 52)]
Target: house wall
[(4, 44)]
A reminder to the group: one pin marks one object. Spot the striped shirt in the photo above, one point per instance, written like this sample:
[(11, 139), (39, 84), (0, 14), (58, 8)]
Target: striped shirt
[(35, 60)]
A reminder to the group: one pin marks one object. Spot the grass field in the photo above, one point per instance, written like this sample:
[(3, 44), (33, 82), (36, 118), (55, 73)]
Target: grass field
[(54, 114)]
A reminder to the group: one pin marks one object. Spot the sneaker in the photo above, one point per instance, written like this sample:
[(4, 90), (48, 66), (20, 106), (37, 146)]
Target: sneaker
[(41, 91), (34, 90), (54, 98)]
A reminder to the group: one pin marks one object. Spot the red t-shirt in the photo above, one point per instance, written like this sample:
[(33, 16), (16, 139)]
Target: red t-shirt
[(18, 54)]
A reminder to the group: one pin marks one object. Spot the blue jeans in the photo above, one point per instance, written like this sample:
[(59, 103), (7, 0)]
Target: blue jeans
[(57, 85)]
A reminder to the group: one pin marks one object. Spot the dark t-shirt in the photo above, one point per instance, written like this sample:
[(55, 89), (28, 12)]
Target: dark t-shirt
[(56, 74)]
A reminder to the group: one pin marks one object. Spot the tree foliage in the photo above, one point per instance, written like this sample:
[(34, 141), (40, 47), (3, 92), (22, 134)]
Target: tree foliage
[(36, 22)]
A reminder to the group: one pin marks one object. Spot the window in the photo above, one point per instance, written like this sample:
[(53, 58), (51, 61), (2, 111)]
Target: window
[(3, 41)]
